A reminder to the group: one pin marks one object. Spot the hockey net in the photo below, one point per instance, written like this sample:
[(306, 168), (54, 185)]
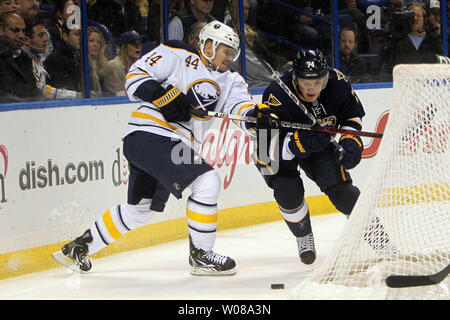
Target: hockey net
[(401, 222)]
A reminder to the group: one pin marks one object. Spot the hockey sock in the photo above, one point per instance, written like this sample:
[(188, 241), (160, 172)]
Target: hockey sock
[(117, 221), (201, 210), (298, 219)]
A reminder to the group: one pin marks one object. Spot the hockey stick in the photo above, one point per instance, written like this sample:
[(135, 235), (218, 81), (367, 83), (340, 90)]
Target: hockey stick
[(294, 98), (286, 124), (400, 281), (279, 81)]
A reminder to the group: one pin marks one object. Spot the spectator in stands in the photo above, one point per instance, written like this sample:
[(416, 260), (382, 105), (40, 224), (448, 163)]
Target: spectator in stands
[(9, 6), (198, 10), (304, 34), (192, 37), (64, 64), (350, 7), (97, 59), (143, 6), (62, 13), (116, 69), (417, 46), (269, 17), (35, 46), (352, 65), (434, 19), (386, 11), (448, 23), (118, 16), (154, 21), (261, 44), (17, 82), (232, 12), (257, 76), (219, 9), (29, 8)]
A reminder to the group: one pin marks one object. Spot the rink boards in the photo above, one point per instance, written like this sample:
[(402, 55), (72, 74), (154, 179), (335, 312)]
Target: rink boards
[(62, 166)]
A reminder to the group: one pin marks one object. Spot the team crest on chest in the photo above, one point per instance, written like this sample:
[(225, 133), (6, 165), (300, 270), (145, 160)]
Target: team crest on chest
[(204, 94), (273, 101), (328, 121)]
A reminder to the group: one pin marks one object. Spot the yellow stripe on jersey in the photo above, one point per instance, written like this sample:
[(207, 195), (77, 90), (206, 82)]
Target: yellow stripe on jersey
[(202, 218), (245, 106), (353, 119), (141, 115), (131, 75), (109, 224), (297, 142), (343, 173), (170, 95), (205, 62), (47, 91), (349, 136), (241, 109)]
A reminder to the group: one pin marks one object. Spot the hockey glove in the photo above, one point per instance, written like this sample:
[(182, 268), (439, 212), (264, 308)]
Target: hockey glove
[(173, 104), (353, 147), (266, 118), (305, 142)]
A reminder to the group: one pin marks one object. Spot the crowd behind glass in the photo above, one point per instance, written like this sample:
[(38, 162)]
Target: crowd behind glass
[(42, 56)]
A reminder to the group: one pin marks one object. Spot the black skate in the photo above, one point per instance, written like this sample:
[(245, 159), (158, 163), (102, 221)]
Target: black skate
[(209, 263), (306, 248), (74, 255)]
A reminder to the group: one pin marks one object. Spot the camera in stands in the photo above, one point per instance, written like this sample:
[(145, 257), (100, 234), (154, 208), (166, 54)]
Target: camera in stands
[(399, 23)]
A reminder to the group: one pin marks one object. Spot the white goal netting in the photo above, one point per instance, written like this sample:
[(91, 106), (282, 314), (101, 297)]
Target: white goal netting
[(401, 222)]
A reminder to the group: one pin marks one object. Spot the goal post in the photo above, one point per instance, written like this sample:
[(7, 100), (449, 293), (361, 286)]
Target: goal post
[(401, 222)]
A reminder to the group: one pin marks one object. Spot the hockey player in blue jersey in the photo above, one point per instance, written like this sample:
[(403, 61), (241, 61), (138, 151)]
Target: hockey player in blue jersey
[(169, 81), (330, 100)]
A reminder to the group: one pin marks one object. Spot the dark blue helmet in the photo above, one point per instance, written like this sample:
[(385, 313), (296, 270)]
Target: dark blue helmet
[(310, 64)]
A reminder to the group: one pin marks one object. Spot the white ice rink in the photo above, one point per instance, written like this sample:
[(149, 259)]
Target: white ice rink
[(264, 254)]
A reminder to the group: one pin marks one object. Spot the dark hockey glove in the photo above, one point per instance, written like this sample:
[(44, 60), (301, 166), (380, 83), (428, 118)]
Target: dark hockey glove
[(173, 104), (266, 118), (304, 142), (353, 148)]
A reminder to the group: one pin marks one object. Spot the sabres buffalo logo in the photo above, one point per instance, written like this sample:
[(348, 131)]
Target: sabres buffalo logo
[(204, 94)]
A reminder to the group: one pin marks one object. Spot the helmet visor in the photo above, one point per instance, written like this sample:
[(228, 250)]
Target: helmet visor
[(308, 83)]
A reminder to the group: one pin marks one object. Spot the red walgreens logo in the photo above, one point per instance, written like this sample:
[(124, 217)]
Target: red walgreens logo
[(4, 155)]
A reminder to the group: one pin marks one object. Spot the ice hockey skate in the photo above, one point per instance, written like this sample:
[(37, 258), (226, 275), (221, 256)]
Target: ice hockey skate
[(74, 255), (306, 248), (209, 263)]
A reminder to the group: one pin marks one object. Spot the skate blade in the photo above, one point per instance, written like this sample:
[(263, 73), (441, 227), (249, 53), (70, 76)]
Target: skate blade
[(209, 272), (67, 262)]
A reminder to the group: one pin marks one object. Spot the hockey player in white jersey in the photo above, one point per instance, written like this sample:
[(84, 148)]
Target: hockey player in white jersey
[(170, 81)]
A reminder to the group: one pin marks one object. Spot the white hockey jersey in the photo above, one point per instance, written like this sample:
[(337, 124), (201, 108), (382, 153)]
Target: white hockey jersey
[(48, 91), (172, 64)]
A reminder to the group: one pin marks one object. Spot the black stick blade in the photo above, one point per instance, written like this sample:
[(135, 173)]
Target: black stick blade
[(399, 281)]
